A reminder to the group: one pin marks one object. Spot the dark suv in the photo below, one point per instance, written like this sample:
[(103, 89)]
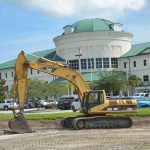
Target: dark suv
[(65, 102)]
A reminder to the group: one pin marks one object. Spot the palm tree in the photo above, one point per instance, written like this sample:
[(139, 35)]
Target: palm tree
[(134, 81), (2, 89)]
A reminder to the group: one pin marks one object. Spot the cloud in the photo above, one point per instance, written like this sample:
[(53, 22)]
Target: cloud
[(87, 8)]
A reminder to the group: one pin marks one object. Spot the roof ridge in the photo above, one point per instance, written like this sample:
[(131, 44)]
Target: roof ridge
[(136, 49), (141, 43), (44, 50)]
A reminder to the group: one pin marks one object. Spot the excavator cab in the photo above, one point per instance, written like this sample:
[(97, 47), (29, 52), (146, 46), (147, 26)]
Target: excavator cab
[(92, 99)]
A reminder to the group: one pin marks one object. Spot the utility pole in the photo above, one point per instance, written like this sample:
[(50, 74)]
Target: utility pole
[(91, 70), (79, 60)]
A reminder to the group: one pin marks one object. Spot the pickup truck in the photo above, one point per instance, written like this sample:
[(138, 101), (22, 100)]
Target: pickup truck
[(7, 104)]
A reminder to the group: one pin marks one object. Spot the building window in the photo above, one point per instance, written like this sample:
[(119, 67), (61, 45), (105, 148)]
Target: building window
[(83, 64), (145, 63), (105, 62), (7, 88), (12, 74), (90, 63), (134, 63), (145, 78), (5, 75), (38, 71), (98, 62), (31, 72), (114, 62), (125, 64), (74, 64)]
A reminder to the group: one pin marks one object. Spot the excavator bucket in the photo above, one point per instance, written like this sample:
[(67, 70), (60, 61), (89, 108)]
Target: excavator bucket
[(19, 125)]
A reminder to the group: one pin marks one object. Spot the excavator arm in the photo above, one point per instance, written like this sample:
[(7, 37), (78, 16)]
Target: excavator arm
[(20, 84), (61, 71), (49, 67)]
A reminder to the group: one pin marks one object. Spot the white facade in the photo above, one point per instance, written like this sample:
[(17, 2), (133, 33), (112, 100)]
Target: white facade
[(8, 75), (90, 51), (138, 65), (102, 44)]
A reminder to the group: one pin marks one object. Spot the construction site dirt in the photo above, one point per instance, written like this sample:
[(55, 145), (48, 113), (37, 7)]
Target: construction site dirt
[(49, 135)]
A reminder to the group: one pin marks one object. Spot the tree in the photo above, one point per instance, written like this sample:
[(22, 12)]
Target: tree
[(110, 81), (134, 81), (35, 89), (2, 89), (56, 89), (38, 89)]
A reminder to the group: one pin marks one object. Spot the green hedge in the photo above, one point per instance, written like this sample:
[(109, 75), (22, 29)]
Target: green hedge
[(50, 106)]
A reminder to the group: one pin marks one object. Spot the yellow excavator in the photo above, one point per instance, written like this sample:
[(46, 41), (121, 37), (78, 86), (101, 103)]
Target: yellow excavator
[(96, 108)]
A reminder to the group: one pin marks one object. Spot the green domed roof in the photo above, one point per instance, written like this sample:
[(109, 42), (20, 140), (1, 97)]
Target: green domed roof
[(91, 25)]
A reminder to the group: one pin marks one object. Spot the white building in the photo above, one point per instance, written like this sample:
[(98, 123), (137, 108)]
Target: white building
[(88, 45), (99, 41), (7, 68), (137, 62)]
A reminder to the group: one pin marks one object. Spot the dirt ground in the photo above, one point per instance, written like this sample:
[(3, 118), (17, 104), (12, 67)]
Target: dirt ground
[(49, 135)]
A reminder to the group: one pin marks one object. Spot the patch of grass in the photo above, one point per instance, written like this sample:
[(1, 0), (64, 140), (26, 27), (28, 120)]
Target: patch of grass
[(6, 116), (51, 116), (42, 116), (144, 112), (141, 112)]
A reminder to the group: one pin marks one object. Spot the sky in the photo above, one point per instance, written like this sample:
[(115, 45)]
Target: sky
[(31, 25)]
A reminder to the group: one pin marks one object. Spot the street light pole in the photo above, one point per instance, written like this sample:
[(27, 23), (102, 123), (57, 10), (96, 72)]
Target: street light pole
[(126, 70), (91, 70), (79, 60), (127, 76)]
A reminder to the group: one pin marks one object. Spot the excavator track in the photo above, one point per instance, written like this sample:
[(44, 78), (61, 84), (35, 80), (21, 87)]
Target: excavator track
[(96, 122)]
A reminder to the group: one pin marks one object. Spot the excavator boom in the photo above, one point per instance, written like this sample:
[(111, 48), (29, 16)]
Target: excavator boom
[(19, 124)]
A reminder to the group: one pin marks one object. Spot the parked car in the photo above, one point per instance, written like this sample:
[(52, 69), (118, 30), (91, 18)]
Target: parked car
[(49, 102), (65, 102), (139, 95), (37, 104), (75, 104), (143, 103), (29, 105), (43, 103), (7, 104)]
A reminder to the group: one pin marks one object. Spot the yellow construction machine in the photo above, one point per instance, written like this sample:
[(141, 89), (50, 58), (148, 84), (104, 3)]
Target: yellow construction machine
[(94, 105)]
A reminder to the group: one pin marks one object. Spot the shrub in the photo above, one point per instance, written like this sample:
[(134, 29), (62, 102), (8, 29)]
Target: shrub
[(50, 106)]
